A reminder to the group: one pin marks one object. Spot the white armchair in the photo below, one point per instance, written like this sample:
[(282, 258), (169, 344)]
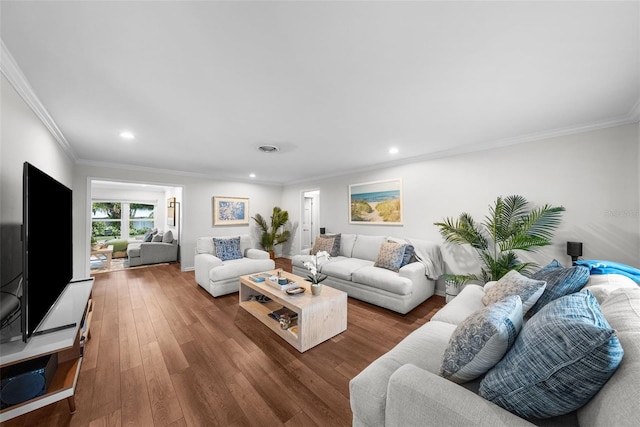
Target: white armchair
[(220, 277)]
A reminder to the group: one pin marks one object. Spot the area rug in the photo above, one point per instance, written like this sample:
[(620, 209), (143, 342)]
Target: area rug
[(99, 265)]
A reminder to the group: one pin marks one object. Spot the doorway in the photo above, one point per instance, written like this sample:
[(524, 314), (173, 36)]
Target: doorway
[(123, 212), (310, 218)]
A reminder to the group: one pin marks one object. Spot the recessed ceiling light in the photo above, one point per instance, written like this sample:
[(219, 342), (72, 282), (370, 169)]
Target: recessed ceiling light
[(268, 148), (252, 175), (393, 150), (127, 135)]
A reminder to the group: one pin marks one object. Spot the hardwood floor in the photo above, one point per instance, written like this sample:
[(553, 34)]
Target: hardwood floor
[(164, 352)]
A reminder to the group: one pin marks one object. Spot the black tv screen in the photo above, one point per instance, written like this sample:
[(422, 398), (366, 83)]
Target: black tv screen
[(47, 253)]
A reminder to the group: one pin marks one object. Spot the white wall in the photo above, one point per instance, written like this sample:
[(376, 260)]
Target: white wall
[(594, 175), (23, 137)]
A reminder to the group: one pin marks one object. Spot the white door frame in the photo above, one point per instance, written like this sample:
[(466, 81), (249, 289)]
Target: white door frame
[(312, 198)]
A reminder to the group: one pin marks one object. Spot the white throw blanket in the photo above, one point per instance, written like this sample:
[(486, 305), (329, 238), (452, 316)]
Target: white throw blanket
[(428, 253)]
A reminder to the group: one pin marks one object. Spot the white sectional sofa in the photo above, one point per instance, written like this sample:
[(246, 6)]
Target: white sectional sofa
[(405, 386), (220, 277), (353, 272)]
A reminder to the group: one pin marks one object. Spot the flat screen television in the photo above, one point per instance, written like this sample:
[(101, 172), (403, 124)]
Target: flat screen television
[(47, 252)]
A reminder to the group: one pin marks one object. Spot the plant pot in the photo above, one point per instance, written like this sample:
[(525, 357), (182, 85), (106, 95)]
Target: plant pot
[(452, 290), (272, 255), (316, 289)]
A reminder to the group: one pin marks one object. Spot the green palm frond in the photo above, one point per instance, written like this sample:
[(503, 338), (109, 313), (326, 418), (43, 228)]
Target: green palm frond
[(462, 231), (510, 226), (271, 234)]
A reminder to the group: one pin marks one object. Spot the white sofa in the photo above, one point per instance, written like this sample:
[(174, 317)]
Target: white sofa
[(404, 388), (222, 277), (353, 272)]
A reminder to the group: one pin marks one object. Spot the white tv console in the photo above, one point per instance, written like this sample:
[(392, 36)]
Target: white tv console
[(74, 307)]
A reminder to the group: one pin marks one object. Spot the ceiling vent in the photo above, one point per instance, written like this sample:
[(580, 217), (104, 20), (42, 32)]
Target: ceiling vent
[(268, 148)]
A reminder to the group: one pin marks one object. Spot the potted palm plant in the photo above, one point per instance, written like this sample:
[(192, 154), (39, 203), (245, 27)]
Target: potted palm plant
[(510, 226), (453, 285), (272, 235)]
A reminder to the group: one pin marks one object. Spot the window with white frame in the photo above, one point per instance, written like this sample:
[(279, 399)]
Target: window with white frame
[(109, 222)]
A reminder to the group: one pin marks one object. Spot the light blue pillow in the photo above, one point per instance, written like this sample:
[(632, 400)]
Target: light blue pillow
[(409, 250), (560, 280), (562, 357), (481, 340), (227, 249)]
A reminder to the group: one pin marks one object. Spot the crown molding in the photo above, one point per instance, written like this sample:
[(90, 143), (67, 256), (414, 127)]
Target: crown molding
[(10, 69), (633, 116), (128, 167)]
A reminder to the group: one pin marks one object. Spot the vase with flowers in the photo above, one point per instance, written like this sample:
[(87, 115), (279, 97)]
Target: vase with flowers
[(315, 277)]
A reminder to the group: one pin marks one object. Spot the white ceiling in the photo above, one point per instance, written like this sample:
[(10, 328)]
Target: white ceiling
[(333, 84)]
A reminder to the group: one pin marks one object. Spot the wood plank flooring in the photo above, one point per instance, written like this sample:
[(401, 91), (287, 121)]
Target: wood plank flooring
[(163, 352)]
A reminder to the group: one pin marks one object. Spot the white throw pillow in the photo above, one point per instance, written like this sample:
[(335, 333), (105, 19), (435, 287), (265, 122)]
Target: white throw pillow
[(514, 283), (601, 285)]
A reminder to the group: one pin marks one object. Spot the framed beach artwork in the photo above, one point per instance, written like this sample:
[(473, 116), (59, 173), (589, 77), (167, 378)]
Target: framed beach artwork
[(378, 202), (230, 211)]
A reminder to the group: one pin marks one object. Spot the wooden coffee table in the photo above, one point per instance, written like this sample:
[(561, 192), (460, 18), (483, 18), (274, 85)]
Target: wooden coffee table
[(319, 317)]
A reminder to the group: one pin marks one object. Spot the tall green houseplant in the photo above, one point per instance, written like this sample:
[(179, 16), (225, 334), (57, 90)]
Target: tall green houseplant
[(272, 235), (510, 226)]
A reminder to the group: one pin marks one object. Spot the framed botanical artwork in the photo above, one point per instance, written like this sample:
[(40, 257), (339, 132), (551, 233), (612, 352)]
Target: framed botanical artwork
[(230, 211), (376, 203)]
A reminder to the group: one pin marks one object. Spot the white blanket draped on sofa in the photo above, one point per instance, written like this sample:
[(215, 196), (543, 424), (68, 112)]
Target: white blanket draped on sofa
[(428, 253)]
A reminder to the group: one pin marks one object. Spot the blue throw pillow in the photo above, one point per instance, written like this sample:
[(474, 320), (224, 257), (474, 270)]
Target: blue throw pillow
[(408, 254), (227, 249), (560, 360), (560, 280)]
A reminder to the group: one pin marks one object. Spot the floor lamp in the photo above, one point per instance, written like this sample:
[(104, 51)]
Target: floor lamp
[(176, 207)]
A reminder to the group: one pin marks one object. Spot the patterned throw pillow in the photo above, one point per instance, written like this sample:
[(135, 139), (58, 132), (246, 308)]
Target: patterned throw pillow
[(481, 340), (561, 281), (227, 249), (390, 255), (323, 243), (514, 283), (562, 357)]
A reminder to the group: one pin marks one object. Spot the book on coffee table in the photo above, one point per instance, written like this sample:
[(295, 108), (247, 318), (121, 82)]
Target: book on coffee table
[(276, 314)]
